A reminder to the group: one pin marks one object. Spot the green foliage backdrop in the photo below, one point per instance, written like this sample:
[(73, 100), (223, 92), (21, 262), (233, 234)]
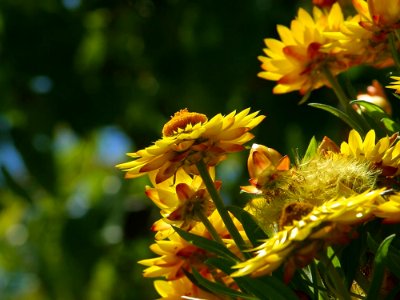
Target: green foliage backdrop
[(83, 82)]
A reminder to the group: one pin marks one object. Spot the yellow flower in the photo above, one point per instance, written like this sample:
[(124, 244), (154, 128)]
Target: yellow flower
[(178, 288), (379, 15), (297, 244), (265, 165), (360, 39), (284, 193), (296, 61), (189, 138), (390, 210), (395, 84), (180, 199), (385, 154), (176, 254)]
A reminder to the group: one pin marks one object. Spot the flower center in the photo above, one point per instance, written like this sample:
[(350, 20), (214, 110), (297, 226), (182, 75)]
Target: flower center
[(294, 211), (181, 119)]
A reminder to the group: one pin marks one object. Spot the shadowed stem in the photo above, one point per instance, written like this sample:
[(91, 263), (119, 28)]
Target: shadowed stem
[(344, 100), (203, 218), (337, 88), (393, 39), (219, 204)]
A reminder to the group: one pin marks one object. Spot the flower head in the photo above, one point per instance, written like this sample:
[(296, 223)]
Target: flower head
[(176, 255), (390, 210), (297, 60), (265, 165), (180, 199), (360, 39), (379, 15), (395, 84), (297, 244), (189, 138), (384, 155), (176, 289), (284, 194)]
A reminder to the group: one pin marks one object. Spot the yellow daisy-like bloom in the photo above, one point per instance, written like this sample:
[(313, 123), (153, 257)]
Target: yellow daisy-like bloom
[(189, 138), (296, 61), (180, 199), (265, 165), (390, 210), (177, 254), (385, 154), (395, 84), (298, 244), (360, 38), (177, 289), (379, 15)]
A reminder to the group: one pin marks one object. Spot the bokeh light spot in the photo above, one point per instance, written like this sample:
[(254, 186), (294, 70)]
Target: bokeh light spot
[(41, 84), (17, 234)]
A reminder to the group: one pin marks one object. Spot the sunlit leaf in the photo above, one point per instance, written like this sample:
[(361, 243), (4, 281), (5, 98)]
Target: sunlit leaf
[(340, 114), (311, 150), (380, 263)]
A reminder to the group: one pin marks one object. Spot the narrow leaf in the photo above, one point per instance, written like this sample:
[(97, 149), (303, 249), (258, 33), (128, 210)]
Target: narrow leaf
[(393, 255), (338, 113), (219, 289), (311, 150), (379, 268), (269, 287), (206, 244), (250, 226), (391, 125)]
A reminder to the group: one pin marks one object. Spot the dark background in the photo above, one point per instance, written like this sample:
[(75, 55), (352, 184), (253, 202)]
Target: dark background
[(83, 82)]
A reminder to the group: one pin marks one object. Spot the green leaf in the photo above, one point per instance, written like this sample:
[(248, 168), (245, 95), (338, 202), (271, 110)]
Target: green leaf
[(340, 114), (350, 259), (250, 226), (391, 125), (370, 108), (269, 287), (396, 95), (378, 116), (257, 286), (311, 150), (379, 267), (206, 244), (219, 289), (393, 255)]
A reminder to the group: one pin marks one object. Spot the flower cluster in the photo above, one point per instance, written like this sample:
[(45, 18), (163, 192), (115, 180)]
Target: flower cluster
[(326, 43), (305, 215)]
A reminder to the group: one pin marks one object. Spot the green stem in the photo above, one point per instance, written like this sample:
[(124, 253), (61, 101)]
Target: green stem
[(208, 225), (393, 49), (337, 88), (315, 280), (340, 289), (219, 204), (344, 101)]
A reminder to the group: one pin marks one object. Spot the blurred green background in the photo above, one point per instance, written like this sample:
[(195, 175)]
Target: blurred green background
[(84, 82)]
